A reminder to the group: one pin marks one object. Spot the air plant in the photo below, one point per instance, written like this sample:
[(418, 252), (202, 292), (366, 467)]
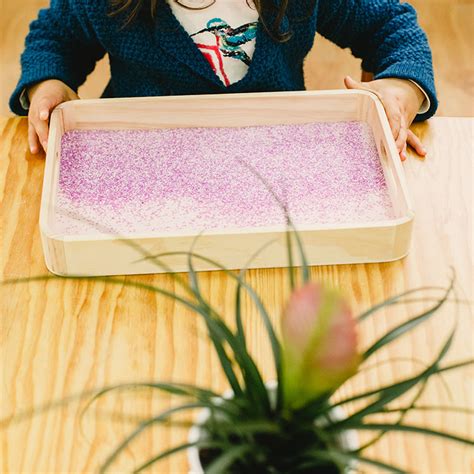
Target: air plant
[(291, 426)]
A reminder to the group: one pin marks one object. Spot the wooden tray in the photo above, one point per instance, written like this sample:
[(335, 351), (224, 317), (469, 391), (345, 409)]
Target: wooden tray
[(104, 254)]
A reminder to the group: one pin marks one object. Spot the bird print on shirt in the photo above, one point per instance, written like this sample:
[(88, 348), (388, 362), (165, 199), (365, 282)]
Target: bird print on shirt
[(228, 44)]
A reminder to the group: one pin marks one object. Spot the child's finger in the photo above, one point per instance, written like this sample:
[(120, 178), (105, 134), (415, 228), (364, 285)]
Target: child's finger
[(44, 107), (401, 140), (41, 127), (392, 110), (416, 144), (352, 84), (395, 121), (32, 139), (403, 154), (364, 86)]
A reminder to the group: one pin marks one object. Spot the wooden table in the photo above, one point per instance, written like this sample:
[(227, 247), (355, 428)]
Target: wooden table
[(61, 337)]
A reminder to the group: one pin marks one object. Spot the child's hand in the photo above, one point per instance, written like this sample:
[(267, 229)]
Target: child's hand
[(402, 100), (44, 97)]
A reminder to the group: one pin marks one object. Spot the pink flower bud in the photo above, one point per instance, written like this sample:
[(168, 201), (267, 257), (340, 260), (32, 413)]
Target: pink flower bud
[(319, 343)]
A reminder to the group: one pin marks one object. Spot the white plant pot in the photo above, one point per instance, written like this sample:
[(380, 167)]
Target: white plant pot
[(348, 439)]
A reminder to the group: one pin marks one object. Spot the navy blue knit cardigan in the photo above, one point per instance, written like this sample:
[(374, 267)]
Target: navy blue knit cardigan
[(161, 59)]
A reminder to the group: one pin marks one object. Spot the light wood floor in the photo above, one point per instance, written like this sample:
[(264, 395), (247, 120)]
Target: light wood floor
[(448, 24)]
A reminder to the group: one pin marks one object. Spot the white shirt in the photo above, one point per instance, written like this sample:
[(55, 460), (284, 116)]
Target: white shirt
[(225, 33)]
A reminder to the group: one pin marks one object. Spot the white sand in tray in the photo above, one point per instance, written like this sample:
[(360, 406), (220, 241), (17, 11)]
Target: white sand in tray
[(198, 179)]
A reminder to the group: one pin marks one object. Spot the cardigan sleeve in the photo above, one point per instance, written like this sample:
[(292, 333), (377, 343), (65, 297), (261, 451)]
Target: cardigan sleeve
[(385, 34), (59, 46)]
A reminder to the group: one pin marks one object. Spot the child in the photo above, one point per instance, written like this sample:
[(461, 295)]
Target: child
[(172, 47)]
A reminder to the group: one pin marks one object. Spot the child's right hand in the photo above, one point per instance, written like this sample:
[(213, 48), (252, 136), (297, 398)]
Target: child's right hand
[(44, 97)]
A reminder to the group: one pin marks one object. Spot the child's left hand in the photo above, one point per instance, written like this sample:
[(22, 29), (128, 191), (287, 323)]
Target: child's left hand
[(402, 100)]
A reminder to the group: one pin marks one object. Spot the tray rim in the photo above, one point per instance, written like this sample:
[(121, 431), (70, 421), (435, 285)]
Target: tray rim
[(48, 231), (229, 231), (225, 96)]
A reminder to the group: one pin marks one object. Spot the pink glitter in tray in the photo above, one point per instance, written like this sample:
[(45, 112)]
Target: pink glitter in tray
[(195, 179)]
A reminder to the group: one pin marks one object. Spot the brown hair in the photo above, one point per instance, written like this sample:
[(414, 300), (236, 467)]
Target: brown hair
[(135, 9)]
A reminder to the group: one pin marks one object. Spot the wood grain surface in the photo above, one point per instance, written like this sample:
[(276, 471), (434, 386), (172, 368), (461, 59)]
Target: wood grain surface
[(61, 337)]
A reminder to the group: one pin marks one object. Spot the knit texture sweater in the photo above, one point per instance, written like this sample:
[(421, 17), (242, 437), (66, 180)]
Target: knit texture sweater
[(69, 37)]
